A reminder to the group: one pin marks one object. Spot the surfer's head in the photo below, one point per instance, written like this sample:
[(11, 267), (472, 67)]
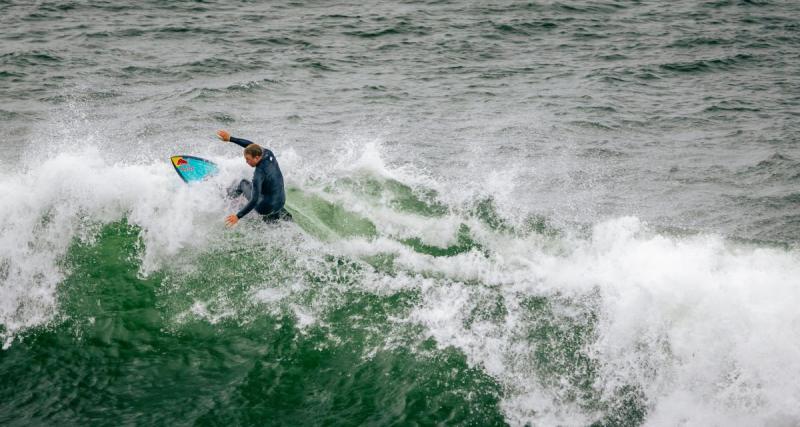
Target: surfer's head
[(252, 154)]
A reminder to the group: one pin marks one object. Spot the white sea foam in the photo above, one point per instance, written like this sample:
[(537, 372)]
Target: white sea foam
[(706, 330), (48, 204)]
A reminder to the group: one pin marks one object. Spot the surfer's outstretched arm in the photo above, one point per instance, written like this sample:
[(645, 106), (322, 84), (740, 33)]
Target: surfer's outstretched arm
[(241, 142), (226, 136)]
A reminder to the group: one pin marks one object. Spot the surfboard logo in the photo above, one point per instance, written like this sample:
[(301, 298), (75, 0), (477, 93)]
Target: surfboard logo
[(182, 164)]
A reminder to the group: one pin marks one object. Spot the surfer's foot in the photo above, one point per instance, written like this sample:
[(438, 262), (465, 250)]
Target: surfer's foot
[(281, 215)]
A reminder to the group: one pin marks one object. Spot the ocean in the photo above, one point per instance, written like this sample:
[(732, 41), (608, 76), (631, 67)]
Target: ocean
[(534, 213)]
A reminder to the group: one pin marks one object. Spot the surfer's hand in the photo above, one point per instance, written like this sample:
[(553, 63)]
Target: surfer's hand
[(231, 220), (224, 135)]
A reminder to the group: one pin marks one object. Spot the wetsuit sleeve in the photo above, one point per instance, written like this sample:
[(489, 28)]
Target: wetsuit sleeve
[(240, 142), (258, 181)]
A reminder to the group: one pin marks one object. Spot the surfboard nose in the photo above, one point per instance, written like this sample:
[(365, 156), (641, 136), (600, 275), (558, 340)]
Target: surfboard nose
[(178, 160)]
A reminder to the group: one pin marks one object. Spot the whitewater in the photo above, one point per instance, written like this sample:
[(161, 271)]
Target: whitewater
[(511, 214)]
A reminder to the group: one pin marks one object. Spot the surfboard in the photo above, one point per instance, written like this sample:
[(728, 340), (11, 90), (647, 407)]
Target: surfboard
[(193, 169)]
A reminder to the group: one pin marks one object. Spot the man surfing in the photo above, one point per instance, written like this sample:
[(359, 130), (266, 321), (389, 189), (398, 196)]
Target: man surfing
[(265, 193)]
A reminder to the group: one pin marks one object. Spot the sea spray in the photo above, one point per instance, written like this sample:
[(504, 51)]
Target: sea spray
[(613, 322)]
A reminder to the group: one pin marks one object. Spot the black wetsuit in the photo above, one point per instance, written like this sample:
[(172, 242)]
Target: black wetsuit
[(265, 194)]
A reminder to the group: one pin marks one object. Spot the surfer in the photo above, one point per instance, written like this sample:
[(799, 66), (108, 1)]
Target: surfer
[(265, 193)]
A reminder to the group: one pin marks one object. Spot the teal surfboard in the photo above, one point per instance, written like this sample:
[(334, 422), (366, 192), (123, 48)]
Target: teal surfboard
[(193, 169)]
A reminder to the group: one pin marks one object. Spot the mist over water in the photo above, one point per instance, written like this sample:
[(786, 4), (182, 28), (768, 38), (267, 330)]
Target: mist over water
[(514, 213)]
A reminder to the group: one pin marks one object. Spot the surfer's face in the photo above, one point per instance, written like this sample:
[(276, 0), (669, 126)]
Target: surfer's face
[(252, 161)]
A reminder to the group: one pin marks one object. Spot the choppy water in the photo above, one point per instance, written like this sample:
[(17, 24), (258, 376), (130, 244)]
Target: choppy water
[(543, 213)]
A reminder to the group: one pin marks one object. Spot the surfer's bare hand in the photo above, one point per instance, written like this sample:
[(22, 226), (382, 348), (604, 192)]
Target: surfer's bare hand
[(224, 135), (231, 220)]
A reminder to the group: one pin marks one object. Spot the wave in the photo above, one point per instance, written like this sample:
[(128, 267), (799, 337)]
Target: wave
[(739, 3), (776, 169), (592, 125), (245, 87), (725, 107), (314, 64), (30, 59), (691, 42), (612, 323), (215, 66), (400, 27), (525, 28), (11, 75), (281, 41), (707, 65), (594, 7)]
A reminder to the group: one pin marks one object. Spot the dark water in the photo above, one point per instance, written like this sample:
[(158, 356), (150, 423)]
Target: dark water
[(542, 213)]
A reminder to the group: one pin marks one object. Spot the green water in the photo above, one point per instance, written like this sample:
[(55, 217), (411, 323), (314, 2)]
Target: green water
[(325, 220), (251, 333), (524, 213), (124, 350), (255, 331)]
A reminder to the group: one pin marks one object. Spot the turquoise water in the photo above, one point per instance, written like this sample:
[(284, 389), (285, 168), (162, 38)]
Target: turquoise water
[(510, 213)]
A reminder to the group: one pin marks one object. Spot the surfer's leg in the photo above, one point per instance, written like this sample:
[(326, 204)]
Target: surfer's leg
[(246, 188), (233, 190), (243, 187)]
